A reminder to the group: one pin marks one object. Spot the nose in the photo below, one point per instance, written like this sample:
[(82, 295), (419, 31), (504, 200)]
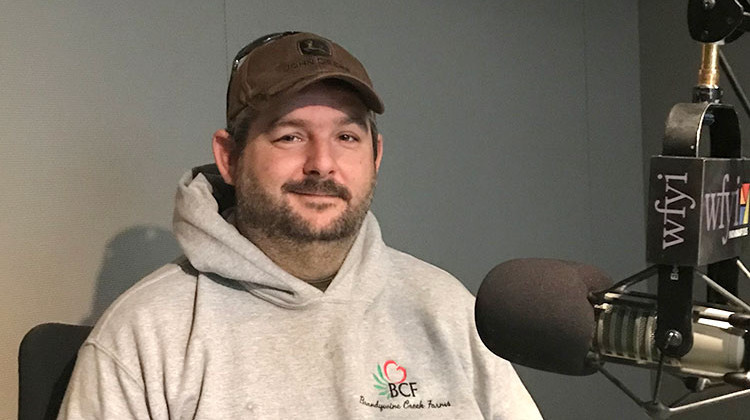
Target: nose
[(319, 160)]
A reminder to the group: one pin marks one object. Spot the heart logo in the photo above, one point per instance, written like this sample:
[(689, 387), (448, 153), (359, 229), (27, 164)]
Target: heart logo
[(391, 367)]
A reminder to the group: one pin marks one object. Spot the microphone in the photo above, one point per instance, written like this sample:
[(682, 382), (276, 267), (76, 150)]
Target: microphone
[(534, 312), (546, 314)]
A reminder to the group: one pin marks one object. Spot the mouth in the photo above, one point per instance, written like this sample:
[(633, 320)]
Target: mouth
[(316, 201), (315, 194)]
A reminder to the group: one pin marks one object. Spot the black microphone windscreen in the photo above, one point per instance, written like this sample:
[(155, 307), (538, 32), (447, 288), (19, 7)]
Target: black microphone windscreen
[(535, 312)]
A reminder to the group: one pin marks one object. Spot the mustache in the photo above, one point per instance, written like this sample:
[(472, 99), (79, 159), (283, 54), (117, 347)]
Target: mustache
[(313, 185)]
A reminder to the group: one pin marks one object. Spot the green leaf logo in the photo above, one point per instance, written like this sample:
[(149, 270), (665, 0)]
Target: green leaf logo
[(381, 384)]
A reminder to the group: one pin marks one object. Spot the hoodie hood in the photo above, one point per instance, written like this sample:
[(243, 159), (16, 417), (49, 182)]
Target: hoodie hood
[(203, 205)]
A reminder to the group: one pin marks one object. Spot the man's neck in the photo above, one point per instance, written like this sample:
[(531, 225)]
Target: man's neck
[(310, 261)]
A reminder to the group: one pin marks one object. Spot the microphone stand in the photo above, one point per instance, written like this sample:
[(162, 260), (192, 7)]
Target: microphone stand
[(685, 190)]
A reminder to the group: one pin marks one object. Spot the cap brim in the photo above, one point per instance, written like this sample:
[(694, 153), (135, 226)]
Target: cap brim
[(368, 96)]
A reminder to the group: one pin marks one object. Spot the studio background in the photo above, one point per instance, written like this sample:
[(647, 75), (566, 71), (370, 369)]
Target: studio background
[(512, 129)]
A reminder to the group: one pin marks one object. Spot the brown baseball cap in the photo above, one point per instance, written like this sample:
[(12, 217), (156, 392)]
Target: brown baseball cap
[(286, 63)]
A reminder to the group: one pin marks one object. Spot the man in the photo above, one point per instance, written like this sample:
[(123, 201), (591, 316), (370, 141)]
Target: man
[(288, 304)]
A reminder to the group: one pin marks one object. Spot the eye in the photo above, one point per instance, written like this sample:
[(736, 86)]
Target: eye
[(289, 138), (348, 138)]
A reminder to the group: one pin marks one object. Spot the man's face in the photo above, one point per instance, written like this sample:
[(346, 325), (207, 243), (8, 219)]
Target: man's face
[(307, 171)]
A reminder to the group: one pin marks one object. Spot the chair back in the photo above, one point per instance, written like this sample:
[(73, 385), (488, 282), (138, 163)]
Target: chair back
[(46, 359)]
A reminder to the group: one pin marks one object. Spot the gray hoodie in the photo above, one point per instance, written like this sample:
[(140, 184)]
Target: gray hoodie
[(224, 333)]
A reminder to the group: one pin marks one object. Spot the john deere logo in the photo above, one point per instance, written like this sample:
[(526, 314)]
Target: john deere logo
[(390, 380), (312, 46)]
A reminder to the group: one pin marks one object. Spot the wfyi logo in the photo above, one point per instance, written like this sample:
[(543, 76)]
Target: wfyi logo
[(390, 381), (724, 210)]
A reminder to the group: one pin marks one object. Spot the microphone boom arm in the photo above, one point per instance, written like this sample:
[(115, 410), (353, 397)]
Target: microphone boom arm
[(644, 304)]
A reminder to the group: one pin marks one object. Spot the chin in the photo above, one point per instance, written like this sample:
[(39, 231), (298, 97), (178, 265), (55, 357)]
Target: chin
[(322, 224)]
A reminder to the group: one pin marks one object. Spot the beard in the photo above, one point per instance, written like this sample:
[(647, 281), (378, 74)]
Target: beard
[(275, 218)]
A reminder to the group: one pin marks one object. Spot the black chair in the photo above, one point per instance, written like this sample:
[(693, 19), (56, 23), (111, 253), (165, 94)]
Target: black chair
[(46, 359)]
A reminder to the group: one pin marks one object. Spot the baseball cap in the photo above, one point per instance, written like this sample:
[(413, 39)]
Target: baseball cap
[(287, 62)]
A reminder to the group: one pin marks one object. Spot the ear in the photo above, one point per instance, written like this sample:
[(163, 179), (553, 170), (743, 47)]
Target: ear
[(223, 148), (380, 153)]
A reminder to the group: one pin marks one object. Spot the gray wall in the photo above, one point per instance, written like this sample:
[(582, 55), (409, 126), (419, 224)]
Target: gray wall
[(670, 60), (512, 129)]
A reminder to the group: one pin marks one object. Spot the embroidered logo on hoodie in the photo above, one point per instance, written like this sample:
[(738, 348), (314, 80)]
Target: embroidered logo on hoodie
[(391, 383)]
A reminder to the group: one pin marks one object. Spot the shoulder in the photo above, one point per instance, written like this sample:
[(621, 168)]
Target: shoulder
[(161, 300), (428, 281), (430, 296)]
